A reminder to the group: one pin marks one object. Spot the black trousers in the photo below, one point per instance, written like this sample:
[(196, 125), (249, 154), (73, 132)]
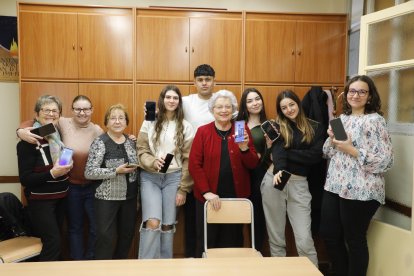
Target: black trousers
[(47, 219), (115, 225), (219, 235), (14, 219), (344, 225), (190, 226)]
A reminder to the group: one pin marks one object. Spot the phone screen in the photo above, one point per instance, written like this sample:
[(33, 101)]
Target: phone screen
[(239, 131), (150, 113), (338, 129), (168, 158), (65, 156), (44, 130), (268, 128)]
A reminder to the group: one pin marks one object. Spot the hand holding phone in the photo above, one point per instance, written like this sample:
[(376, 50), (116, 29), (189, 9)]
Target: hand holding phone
[(284, 178), (131, 165), (150, 111), (338, 129), (167, 161), (270, 130), (65, 156), (44, 130), (239, 131)]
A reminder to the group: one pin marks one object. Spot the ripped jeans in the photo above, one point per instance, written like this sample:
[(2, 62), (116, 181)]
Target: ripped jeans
[(158, 193)]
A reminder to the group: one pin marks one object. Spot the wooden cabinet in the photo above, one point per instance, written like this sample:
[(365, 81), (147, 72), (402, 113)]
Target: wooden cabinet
[(59, 42), (289, 48), (171, 44)]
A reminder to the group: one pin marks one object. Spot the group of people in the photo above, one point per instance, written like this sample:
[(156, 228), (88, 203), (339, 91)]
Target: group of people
[(207, 164)]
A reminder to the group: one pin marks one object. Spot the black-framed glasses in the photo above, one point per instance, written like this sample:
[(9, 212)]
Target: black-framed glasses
[(79, 110), (48, 111), (360, 92)]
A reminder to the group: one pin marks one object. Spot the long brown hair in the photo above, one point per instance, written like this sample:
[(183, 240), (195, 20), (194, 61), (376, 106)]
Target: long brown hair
[(302, 123), (162, 118)]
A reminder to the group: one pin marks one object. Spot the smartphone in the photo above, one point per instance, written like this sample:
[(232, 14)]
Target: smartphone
[(44, 130), (168, 158), (338, 129), (65, 156), (284, 180), (239, 131), (270, 130), (132, 165), (150, 113)]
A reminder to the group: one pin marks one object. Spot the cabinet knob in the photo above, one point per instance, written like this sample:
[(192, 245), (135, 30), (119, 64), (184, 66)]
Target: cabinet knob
[(81, 47), (192, 49), (299, 53), (186, 49), (73, 46), (293, 52)]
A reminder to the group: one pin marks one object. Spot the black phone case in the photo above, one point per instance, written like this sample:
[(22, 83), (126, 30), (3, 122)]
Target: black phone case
[(150, 114), (269, 130), (284, 180), (167, 163), (338, 129), (44, 130)]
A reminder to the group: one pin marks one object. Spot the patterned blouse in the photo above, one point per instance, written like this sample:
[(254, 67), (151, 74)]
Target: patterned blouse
[(104, 157), (361, 178)]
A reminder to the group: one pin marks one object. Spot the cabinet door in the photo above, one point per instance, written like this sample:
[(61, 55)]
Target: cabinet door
[(30, 91), (48, 45), (218, 42), (105, 95), (162, 48), (320, 52), (270, 50), (151, 92), (105, 46)]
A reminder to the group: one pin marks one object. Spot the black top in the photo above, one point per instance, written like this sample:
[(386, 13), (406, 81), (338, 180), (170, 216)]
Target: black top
[(225, 187), (298, 158)]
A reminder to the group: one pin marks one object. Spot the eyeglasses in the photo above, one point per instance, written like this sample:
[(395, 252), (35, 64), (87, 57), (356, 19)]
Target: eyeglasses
[(79, 110), (225, 107), (360, 92), (48, 111), (120, 119)]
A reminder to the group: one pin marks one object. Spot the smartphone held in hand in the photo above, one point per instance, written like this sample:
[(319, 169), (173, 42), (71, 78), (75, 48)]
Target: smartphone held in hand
[(270, 130), (239, 131), (131, 165), (44, 130), (150, 113), (65, 156), (167, 161), (284, 178), (338, 129)]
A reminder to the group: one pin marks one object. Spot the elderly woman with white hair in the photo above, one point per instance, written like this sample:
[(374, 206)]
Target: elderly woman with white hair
[(220, 169)]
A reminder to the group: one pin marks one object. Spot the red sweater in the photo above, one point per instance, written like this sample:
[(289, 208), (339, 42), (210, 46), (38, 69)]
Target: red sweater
[(204, 162)]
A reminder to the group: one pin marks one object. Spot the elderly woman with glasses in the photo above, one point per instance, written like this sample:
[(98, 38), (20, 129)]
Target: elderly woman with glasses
[(220, 168), (45, 181), (354, 187), (116, 196), (78, 133)]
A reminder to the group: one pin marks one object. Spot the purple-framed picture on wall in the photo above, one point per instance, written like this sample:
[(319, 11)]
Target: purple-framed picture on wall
[(9, 66)]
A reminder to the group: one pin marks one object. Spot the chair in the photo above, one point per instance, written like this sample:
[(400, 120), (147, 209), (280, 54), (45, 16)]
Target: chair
[(233, 210), (19, 249)]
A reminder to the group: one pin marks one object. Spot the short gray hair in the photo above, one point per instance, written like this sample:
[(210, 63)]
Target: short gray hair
[(47, 99), (223, 94)]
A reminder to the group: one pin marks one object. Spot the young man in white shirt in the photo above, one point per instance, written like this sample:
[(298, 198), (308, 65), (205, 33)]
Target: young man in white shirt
[(195, 107)]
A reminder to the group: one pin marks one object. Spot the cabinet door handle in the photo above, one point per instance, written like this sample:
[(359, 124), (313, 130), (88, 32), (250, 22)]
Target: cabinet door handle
[(293, 52), (73, 46), (192, 49), (299, 53), (81, 47), (186, 49)]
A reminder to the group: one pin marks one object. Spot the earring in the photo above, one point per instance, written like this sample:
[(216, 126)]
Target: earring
[(368, 102)]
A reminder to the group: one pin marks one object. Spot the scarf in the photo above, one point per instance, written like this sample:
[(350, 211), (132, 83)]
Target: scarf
[(55, 144)]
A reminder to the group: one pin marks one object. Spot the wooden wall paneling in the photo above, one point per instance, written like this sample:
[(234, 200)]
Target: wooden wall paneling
[(270, 49), (218, 42), (30, 91), (321, 51), (106, 46), (105, 95), (269, 94), (162, 48), (48, 45)]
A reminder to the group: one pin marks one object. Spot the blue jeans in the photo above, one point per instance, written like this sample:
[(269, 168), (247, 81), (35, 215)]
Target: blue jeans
[(158, 193), (80, 202)]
